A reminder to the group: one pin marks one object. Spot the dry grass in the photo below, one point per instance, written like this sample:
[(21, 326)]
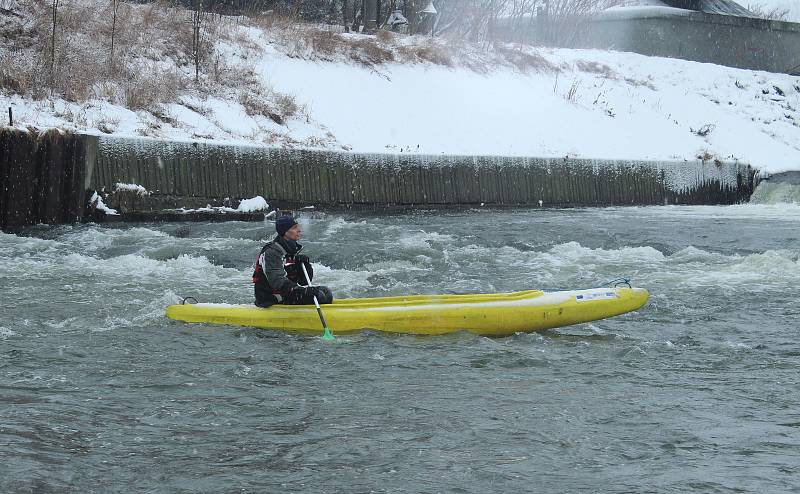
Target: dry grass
[(593, 67), (524, 61), (323, 42), (705, 156), (386, 37), (314, 42), (435, 54), (317, 43), (639, 82), (152, 63), (145, 89), (278, 107), (368, 51), (286, 104), (257, 105), (81, 67), (107, 125)]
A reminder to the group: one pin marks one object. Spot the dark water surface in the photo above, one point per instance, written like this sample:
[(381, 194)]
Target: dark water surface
[(699, 391)]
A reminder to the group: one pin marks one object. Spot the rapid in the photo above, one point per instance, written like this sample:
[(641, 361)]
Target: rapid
[(698, 391)]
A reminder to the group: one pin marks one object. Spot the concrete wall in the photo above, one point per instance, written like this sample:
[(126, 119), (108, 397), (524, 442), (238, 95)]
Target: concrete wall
[(733, 41), (187, 171), (42, 178), (725, 40)]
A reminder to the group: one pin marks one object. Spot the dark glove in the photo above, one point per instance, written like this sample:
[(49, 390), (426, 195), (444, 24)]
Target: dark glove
[(303, 294), (300, 291), (302, 258)]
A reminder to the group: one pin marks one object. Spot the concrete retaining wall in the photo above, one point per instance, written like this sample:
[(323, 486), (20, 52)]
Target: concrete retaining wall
[(721, 39), (325, 178), (46, 178), (42, 178), (742, 42)]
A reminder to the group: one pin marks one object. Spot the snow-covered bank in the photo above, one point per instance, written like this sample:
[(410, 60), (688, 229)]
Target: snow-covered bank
[(566, 103), (599, 105)]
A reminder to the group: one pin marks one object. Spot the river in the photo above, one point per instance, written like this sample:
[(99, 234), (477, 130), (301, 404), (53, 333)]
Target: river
[(698, 391)]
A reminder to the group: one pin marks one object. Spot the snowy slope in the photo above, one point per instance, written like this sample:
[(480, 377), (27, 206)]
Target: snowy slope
[(635, 107), (590, 104)]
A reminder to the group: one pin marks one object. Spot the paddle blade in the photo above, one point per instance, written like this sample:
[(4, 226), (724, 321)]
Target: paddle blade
[(327, 335)]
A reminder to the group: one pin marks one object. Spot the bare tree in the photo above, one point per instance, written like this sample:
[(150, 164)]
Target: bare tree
[(520, 21), (53, 40), (114, 11), (346, 15), (198, 21), (475, 20), (556, 22), (767, 12)]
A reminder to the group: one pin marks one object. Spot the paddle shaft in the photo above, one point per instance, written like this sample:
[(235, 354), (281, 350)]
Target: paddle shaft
[(316, 303)]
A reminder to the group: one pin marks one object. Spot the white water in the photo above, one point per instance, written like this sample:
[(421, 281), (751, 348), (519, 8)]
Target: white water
[(695, 392)]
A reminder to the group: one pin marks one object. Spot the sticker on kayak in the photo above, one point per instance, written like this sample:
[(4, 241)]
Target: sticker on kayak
[(585, 297)]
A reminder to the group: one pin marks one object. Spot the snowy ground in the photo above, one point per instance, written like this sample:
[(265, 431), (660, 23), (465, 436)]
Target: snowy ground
[(589, 104)]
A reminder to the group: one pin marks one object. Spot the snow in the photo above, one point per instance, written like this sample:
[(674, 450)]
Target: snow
[(255, 204), (638, 11), (597, 105), (135, 188), (97, 202), (650, 116)]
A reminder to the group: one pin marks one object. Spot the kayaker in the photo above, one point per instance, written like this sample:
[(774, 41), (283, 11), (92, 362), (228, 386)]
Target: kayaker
[(277, 274)]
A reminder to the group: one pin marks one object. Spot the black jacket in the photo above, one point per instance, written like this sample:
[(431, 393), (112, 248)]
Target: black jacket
[(276, 271)]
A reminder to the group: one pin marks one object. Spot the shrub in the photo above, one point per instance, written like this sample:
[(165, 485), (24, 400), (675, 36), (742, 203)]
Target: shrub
[(369, 52), (525, 61), (596, 68), (150, 86), (257, 104), (286, 105), (385, 36), (433, 53)]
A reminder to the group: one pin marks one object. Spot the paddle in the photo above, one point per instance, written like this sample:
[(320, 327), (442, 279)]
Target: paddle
[(326, 333)]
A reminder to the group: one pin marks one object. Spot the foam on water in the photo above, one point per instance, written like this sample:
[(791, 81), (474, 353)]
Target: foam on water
[(779, 189), (5, 332), (337, 224), (98, 239), (12, 245), (422, 240), (776, 211)]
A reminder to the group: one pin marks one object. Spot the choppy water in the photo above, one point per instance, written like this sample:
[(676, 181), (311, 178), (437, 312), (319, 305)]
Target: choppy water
[(697, 392)]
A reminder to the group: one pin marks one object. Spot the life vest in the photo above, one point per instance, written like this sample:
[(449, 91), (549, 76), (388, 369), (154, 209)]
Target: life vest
[(267, 295)]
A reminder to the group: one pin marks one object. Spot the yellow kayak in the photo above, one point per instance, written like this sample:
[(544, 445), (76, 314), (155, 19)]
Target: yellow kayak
[(496, 314)]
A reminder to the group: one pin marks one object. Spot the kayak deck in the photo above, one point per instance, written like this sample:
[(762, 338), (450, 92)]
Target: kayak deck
[(496, 314)]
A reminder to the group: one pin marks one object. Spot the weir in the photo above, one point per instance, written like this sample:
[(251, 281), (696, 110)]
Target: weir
[(46, 178), (778, 188), (199, 171)]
